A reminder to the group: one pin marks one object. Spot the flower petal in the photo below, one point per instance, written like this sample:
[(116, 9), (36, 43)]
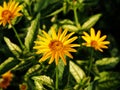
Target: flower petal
[(46, 35), (45, 56), (102, 38), (67, 37), (70, 40), (56, 58), (68, 54), (63, 58), (52, 58), (54, 36), (98, 35), (63, 34), (87, 39), (92, 32)]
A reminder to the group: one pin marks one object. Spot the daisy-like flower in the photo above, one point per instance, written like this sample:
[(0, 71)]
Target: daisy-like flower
[(6, 79), (55, 46), (95, 41), (9, 11)]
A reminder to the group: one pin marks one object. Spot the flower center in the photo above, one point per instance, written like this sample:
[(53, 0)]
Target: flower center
[(94, 43), (23, 87), (55, 45), (6, 14)]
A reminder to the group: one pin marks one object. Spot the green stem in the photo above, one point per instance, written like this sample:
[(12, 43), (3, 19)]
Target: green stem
[(76, 17), (90, 62), (21, 44), (57, 73)]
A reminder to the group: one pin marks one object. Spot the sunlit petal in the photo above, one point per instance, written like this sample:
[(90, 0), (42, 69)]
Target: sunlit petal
[(46, 35), (54, 36), (74, 45), (86, 34), (45, 56), (86, 39), (105, 42), (92, 32), (43, 39), (12, 5), (42, 51), (67, 36), (63, 58), (59, 32), (98, 35), (72, 50), (56, 58), (68, 54), (40, 43), (52, 58), (40, 47), (70, 40), (5, 5), (102, 46), (63, 34), (102, 38)]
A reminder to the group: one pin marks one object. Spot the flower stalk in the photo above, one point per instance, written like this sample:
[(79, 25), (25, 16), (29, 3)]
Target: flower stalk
[(21, 44), (91, 62), (57, 78), (76, 17)]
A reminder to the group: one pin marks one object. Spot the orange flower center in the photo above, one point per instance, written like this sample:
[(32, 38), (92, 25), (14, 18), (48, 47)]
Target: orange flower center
[(5, 82), (23, 87), (94, 43), (55, 45), (6, 14)]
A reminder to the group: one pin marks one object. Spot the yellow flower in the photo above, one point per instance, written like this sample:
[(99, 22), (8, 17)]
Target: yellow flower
[(9, 11), (6, 79), (95, 41), (55, 46)]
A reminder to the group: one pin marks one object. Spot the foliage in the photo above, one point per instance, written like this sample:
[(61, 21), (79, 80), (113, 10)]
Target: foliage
[(101, 73)]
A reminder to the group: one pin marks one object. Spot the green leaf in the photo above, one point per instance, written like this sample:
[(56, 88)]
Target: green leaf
[(42, 4), (42, 80), (25, 64), (91, 21), (66, 23), (71, 28), (95, 70), (80, 1), (90, 86), (76, 71), (8, 64), (33, 70), (61, 67), (31, 85), (27, 2), (13, 47), (83, 84), (32, 31), (107, 63), (55, 12), (39, 86), (107, 81)]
